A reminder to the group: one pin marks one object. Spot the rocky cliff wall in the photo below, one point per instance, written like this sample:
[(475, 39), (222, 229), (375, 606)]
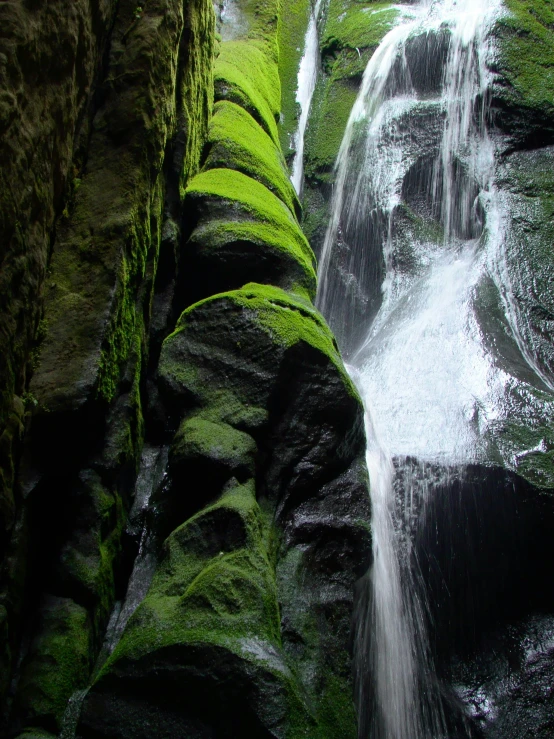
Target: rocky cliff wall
[(168, 298)]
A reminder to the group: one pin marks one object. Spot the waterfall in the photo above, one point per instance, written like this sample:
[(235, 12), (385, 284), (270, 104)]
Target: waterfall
[(307, 77), (416, 225)]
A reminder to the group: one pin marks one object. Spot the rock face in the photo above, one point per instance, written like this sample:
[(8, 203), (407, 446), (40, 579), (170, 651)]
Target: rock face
[(143, 206), (246, 624)]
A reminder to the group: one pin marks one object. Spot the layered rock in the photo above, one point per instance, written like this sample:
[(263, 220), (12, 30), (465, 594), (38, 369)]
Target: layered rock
[(145, 140), (259, 527), (246, 625)]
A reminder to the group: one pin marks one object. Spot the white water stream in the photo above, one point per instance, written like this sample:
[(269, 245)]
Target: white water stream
[(307, 78)]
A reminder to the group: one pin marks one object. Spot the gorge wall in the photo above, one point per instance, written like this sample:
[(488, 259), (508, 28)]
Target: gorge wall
[(480, 534), (184, 510), (184, 495)]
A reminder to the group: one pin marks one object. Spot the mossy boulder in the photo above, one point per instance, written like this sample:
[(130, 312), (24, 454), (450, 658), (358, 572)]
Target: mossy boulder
[(246, 625), (205, 641), (246, 73), (249, 332), (243, 232), (204, 456)]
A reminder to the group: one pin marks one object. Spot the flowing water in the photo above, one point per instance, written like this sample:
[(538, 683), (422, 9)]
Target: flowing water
[(415, 240), (307, 77)]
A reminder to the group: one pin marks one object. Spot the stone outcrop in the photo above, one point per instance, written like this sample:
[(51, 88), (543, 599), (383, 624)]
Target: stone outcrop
[(131, 152), (246, 625), (175, 306), (483, 544)]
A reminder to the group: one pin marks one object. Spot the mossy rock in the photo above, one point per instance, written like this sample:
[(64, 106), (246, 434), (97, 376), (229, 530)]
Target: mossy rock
[(89, 558), (352, 32), (523, 92), (204, 457), (58, 663), (244, 232), (207, 633), (246, 74), (228, 348), (238, 142), (293, 24)]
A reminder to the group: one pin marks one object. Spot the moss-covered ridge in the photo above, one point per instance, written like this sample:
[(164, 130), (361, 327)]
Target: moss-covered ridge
[(286, 319), (246, 75), (238, 142), (238, 370), (247, 197), (242, 207), (245, 232)]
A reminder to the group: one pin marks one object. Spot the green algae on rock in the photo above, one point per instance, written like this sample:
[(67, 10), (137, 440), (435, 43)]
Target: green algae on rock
[(250, 370), (524, 88), (351, 33), (58, 663)]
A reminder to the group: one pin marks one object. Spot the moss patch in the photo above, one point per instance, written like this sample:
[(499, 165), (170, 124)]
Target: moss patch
[(526, 58), (246, 74), (238, 142), (248, 198), (352, 33), (293, 24), (58, 663), (285, 318)]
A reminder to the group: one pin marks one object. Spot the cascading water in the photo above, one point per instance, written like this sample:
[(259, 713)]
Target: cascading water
[(307, 77), (416, 232)]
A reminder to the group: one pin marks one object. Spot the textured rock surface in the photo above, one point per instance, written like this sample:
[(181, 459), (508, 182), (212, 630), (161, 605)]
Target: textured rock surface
[(50, 58), (349, 35), (256, 588), (259, 526), (141, 143)]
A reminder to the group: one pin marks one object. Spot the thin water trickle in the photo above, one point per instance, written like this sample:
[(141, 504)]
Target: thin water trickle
[(150, 477), (307, 78)]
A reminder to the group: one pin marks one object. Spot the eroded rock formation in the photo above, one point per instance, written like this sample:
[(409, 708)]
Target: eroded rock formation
[(259, 524)]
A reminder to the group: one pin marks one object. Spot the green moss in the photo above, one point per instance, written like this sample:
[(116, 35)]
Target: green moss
[(256, 202), (356, 26), (332, 103), (218, 443), (352, 33), (286, 318), (526, 55), (245, 74), (196, 87), (238, 142), (296, 269), (58, 663), (88, 561), (215, 583)]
